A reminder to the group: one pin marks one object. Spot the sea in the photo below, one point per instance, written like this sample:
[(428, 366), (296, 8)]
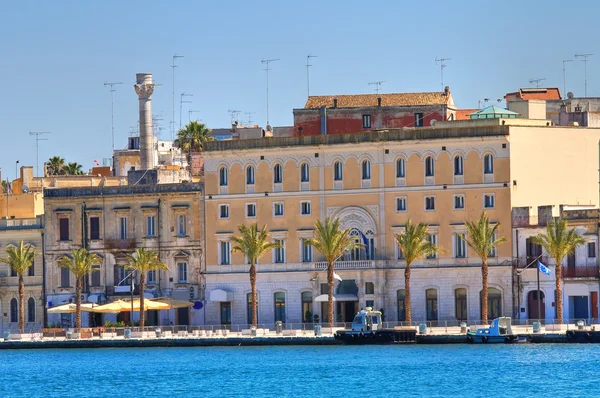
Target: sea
[(521, 370)]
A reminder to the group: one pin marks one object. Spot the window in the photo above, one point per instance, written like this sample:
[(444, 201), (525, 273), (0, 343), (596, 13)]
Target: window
[(366, 170), (307, 251), (31, 310), (279, 252), (181, 225), (494, 303), (279, 299), (401, 296), (366, 121), (488, 164), (429, 166), (460, 246), (401, 204), (418, 119), (13, 272), (460, 304), (249, 307), (488, 201), (369, 288), (150, 222), (307, 315), (225, 253), (96, 277), (31, 269), (591, 249), (250, 209), (458, 166), (63, 228), (459, 202), (14, 312), (304, 208), (223, 177), (249, 175), (324, 288), (94, 228), (430, 203), (432, 304), (65, 277), (151, 278), (225, 308), (432, 238), (277, 174), (304, 172), (278, 209), (122, 227), (400, 168), (182, 272), (223, 211), (400, 255), (337, 171)]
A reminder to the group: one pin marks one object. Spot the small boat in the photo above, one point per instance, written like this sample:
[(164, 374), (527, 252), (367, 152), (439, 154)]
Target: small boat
[(500, 331), (367, 329)]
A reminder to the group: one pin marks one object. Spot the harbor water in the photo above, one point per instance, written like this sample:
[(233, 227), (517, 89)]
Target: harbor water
[(316, 371)]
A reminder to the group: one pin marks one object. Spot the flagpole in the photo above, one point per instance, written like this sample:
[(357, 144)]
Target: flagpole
[(538, 291)]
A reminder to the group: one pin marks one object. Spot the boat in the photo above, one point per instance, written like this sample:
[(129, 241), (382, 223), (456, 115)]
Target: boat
[(500, 331), (367, 329)]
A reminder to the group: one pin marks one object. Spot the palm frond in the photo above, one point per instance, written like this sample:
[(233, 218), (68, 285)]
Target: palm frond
[(20, 257), (80, 262), (482, 237), (414, 243)]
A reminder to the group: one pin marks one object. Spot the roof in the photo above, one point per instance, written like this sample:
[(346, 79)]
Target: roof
[(463, 114), (367, 100), (547, 94), (493, 112)]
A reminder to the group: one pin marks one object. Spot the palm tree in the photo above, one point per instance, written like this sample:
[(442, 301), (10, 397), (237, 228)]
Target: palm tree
[(73, 169), (194, 134), (5, 187), (414, 245), (333, 242), (144, 261), (80, 263), (253, 243), (55, 166), (482, 238), (558, 241), (19, 259)]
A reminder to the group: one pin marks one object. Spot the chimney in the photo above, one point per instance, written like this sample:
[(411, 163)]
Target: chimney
[(446, 90), (335, 102), (378, 101), (144, 89), (323, 115)]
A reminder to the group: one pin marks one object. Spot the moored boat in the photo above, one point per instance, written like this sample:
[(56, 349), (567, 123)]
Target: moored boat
[(499, 331)]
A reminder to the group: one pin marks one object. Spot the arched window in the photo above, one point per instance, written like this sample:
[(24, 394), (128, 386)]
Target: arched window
[(277, 174), (458, 165), (494, 303), (223, 176), (31, 310), (488, 164), (279, 299), (366, 170), (429, 167), (304, 172), (250, 175), (337, 171), (432, 304), (460, 304), (401, 306), (14, 311), (367, 252), (249, 308), (307, 314), (400, 168)]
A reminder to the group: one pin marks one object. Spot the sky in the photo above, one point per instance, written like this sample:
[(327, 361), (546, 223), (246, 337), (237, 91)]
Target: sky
[(57, 55)]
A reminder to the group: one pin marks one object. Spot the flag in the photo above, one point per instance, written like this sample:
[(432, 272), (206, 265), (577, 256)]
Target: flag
[(336, 276), (366, 243), (543, 269), (96, 163)]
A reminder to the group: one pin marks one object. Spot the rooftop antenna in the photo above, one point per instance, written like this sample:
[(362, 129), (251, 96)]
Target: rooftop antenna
[(181, 102), (155, 127), (537, 81), (190, 115), (308, 65), (267, 62), (234, 115), (249, 116), (175, 56), (565, 76), (377, 85), (112, 110), (585, 61), (442, 66), (37, 148)]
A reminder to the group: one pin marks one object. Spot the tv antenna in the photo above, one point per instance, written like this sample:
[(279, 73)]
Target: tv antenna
[(565, 76), (234, 115), (308, 65), (537, 81), (377, 85), (175, 56), (181, 102), (249, 116), (37, 148), (267, 62), (155, 126), (112, 109), (190, 115), (442, 63), (585, 61)]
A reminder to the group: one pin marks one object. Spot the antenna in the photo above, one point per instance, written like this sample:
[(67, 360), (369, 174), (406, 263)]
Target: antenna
[(37, 148), (377, 85), (190, 115), (267, 62), (112, 110), (565, 76), (234, 115), (155, 127), (181, 102), (442, 66), (308, 65), (249, 116), (537, 81), (175, 56), (585, 61)]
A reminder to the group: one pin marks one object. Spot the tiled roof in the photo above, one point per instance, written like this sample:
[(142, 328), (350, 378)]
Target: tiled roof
[(366, 100), (463, 114), (547, 94)]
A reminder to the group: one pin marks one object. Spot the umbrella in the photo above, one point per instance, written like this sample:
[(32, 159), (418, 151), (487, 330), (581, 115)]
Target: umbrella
[(173, 303), (125, 306), (71, 308)]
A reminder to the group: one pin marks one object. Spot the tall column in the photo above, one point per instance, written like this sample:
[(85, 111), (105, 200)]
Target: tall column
[(144, 89)]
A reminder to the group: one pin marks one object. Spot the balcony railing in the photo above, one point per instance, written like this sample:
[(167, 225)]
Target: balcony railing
[(358, 264), (581, 271), (530, 221), (128, 243)]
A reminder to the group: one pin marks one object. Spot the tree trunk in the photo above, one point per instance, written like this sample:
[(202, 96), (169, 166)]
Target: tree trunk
[(559, 303), (330, 293), (21, 304), (407, 309), (78, 289), (254, 295), (142, 288), (484, 292)]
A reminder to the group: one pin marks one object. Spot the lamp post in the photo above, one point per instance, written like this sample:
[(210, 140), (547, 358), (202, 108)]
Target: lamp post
[(132, 287), (519, 272)]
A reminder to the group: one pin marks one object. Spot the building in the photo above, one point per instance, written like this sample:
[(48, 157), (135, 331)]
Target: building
[(343, 114), (165, 156)]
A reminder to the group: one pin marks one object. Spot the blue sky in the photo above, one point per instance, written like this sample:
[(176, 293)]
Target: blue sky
[(56, 55)]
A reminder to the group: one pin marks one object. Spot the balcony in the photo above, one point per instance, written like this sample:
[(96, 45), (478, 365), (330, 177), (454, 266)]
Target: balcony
[(581, 271), (120, 244), (340, 265), (525, 221)]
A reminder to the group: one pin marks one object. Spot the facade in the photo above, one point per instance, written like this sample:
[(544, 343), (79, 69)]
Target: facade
[(114, 221), (164, 155)]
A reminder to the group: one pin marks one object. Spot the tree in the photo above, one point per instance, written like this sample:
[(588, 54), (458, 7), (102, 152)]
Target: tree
[(483, 239), (55, 166), (414, 244), (253, 243), (558, 242), (144, 261), (5, 187), (73, 169), (80, 262), (333, 242), (19, 259), (194, 134)]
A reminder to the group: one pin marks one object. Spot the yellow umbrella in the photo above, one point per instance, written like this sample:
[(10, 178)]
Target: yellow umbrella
[(150, 305), (172, 303), (113, 308), (71, 308)]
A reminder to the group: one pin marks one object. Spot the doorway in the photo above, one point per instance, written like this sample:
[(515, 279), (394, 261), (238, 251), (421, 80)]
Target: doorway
[(346, 310), (580, 307), (95, 319), (183, 316), (532, 305)]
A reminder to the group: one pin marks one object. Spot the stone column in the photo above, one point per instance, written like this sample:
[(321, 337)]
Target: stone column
[(144, 89)]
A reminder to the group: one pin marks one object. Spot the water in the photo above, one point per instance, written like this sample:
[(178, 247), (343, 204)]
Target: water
[(338, 371)]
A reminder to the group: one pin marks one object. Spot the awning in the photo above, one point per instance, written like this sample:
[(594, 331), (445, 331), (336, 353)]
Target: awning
[(221, 296), (323, 298)]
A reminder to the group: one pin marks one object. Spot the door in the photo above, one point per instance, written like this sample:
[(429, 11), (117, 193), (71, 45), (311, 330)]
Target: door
[(594, 302), (183, 316), (532, 305), (580, 307)]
